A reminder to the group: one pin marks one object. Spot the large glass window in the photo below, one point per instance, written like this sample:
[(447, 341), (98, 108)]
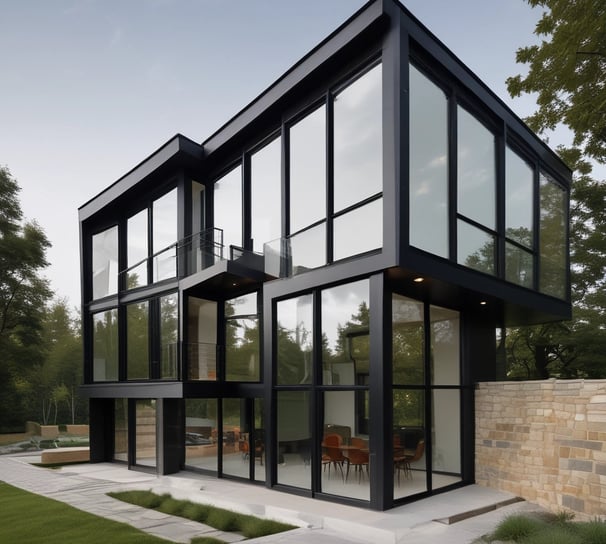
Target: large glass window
[(294, 341), (345, 334), (137, 250), (308, 170), (476, 248), (121, 430), (169, 335), (359, 230), (145, 432), (235, 429), (137, 341), (445, 353), (164, 214), (345, 445), (201, 433), (476, 170), (409, 439), (242, 339), (228, 209), (519, 184), (308, 249), (266, 194), (426, 409), (408, 333), (105, 263), (428, 161), (519, 206), (105, 346), (358, 137), (294, 438), (202, 339), (552, 238)]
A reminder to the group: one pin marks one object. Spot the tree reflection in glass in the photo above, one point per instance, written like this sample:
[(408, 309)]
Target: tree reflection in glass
[(295, 340), (242, 339)]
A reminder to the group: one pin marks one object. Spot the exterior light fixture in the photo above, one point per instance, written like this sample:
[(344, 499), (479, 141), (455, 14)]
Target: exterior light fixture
[(419, 279), (483, 303)]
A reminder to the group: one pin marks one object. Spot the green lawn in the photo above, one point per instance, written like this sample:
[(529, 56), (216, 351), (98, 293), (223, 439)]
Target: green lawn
[(26, 517)]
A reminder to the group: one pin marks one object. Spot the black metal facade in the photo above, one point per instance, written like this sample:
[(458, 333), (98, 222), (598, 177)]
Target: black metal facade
[(382, 31)]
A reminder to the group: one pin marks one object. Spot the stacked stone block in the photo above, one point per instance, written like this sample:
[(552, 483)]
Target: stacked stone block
[(544, 441)]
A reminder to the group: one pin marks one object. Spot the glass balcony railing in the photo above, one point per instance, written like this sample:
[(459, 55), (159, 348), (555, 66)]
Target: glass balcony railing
[(186, 257), (286, 257)]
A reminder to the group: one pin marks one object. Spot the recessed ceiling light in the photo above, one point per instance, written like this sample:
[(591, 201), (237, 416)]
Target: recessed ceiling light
[(419, 279)]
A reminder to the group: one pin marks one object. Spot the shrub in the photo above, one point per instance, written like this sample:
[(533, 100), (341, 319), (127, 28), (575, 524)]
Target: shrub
[(516, 528), (196, 512), (224, 520), (592, 532), (171, 506), (554, 535)]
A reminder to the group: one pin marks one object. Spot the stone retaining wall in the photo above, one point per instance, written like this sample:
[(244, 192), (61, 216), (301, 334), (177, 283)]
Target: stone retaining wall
[(544, 441)]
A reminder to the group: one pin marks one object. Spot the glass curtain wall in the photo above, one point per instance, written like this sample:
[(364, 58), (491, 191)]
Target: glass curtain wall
[(519, 232), (476, 193), (409, 394), (345, 312), (266, 194), (552, 237), (164, 236), (120, 430), (227, 198), (137, 341), (294, 339), (358, 166), (169, 336), (105, 346), (105, 263), (446, 396), (136, 250), (307, 177), (201, 339), (428, 160), (342, 392), (242, 339), (426, 384), (145, 432), (201, 434)]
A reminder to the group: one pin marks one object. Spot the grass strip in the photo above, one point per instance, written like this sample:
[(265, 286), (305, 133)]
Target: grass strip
[(218, 518), (31, 518), (547, 529)]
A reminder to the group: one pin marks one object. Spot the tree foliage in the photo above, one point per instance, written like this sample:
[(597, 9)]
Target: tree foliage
[(566, 71), (40, 345)]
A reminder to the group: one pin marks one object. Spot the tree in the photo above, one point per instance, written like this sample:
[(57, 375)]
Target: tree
[(58, 377), (567, 72), (23, 297)]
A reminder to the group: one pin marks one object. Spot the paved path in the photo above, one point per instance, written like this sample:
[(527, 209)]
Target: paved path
[(86, 487)]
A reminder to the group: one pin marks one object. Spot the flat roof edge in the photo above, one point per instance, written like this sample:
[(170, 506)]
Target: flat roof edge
[(177, 145), (355, 25)]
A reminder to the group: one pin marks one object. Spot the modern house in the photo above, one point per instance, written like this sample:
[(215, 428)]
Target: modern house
[(306, 299)]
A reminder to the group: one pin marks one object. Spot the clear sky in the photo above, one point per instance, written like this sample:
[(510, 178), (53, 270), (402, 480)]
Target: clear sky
[(89, 88)]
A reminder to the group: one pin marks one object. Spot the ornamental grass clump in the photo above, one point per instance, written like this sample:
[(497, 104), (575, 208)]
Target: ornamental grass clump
[(219, 518)]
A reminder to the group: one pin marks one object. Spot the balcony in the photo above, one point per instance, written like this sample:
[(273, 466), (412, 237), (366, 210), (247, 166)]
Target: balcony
[(202, 252)]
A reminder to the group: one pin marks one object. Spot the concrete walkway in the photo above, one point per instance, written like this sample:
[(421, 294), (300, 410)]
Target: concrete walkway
[(422, 522)]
